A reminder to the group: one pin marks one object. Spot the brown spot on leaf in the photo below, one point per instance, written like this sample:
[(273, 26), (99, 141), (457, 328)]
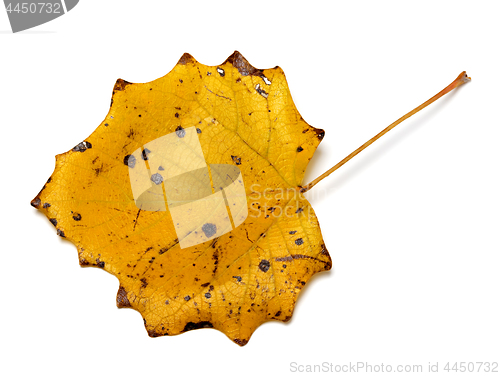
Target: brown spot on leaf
[(197, 325), (264, 265), (82, 146), (145, 153), (261, 91), (236, 159), (215, 257), (180, 132), (98, 170), (168, 247)]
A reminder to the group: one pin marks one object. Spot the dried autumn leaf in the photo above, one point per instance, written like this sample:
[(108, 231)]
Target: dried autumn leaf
[(109, 195)]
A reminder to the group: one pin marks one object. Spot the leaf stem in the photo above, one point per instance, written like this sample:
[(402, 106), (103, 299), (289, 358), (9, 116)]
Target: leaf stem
[(461, 79)]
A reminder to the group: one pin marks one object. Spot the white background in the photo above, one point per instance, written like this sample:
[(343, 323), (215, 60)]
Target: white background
[(412, 223)]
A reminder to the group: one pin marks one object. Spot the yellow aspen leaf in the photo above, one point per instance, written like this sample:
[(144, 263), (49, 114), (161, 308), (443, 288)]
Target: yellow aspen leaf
[(189, 192)]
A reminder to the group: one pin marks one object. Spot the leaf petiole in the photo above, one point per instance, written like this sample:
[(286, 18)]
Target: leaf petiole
[(460, 80)]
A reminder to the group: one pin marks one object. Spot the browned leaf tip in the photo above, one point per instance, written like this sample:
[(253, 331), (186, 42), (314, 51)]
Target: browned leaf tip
[(122, 299), (120, 85), (36, 202), (244, 67), (241, 342), (186, 58)]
